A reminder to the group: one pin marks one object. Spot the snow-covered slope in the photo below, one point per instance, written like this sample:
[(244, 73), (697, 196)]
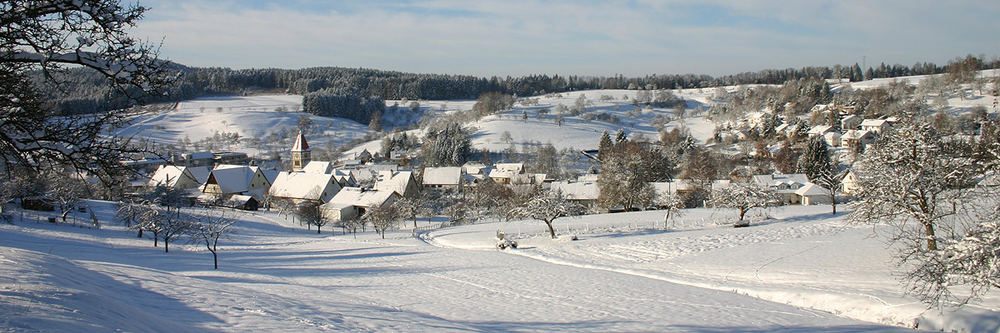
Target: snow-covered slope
[(249, 116), (276, 276)]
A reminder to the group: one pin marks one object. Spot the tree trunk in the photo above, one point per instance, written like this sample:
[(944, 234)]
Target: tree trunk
[(552, 232), (317, 229), (666, 219), (931, 240), (156, 239), (215, 257), (833, 202), (140, 233), (166, 245), (743, 211)]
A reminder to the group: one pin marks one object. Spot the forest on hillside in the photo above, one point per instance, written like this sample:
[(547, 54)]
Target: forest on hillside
[(81, 91)]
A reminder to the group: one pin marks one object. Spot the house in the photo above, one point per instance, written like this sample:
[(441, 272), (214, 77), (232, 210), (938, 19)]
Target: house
[(856, 138), (820, 130), (401, 182), (172, 176), (236, 179), (875, 126), (199, 159), (353, 202), (503, 172), (585, 193), (832, 139), (449, 178), (812, 194), (783, 185), (849, 185), (231, 158), (850, 122), (244, 202), (305, 186), (344, 178), (782, 129)]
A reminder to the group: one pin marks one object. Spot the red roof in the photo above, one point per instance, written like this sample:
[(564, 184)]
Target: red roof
[(300, 143)]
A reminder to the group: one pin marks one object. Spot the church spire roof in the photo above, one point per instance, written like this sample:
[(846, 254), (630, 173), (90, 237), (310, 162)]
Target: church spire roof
[(300, 143)]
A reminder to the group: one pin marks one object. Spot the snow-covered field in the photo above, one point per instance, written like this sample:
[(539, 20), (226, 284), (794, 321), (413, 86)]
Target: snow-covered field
[(249, 116), (801, 270)]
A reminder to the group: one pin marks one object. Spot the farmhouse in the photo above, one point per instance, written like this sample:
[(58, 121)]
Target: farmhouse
[(353, 202), (236, 179), (172, 176), (401, 182), (449, 178), (874, 125), (304, 186)]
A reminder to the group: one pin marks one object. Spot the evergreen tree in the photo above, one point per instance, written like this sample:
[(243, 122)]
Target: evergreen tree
[(815, 160)]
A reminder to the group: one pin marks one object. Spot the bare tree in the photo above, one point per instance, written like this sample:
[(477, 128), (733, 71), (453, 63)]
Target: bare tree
[(50, 36), (382, 218), (548, 207), (743, 195), (309, 213), (209, 228), (67, 191)]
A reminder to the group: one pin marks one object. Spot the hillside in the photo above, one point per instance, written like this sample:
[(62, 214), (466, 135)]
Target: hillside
[(258, 117), (799, 270)]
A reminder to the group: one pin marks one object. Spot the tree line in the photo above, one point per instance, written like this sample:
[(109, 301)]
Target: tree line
[(83, 91)]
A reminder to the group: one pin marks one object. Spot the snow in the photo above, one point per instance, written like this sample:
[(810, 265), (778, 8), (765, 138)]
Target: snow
[(801, 270), (249, 116), (442, 175)]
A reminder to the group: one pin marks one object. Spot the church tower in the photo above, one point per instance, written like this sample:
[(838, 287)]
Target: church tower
[(301, 154)]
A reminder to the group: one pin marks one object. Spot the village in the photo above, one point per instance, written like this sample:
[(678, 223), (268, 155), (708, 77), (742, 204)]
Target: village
[(346, 189)]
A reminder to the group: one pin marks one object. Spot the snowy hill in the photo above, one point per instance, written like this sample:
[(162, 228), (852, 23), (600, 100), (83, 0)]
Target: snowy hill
[(800, 270), (605, 110), (266, 117)]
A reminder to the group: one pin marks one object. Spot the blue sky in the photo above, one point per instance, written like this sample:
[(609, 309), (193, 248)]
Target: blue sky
[(516, 37)]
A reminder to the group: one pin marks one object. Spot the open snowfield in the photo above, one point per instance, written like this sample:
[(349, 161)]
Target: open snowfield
[(801, 271), (249, 116)]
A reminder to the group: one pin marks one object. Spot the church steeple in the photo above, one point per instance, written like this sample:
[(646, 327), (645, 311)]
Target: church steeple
[(301, 153)]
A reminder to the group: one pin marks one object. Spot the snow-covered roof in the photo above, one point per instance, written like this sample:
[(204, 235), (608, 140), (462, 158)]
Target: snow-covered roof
[(238, 200), (358, 197), (513, 167), (442, 175), (304, 185), (780, 179), (832, 135), (577, 190), (394, 181), (473, 168), (820, 129), (873, 122), (810, 189), (318, 167), (233, 178), (300, 143), (270, 174), (856, 134), (168, 175), (200, 173)]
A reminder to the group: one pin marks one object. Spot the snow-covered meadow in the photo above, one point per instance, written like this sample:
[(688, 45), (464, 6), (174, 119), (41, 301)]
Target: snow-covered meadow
[(798, 270)]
